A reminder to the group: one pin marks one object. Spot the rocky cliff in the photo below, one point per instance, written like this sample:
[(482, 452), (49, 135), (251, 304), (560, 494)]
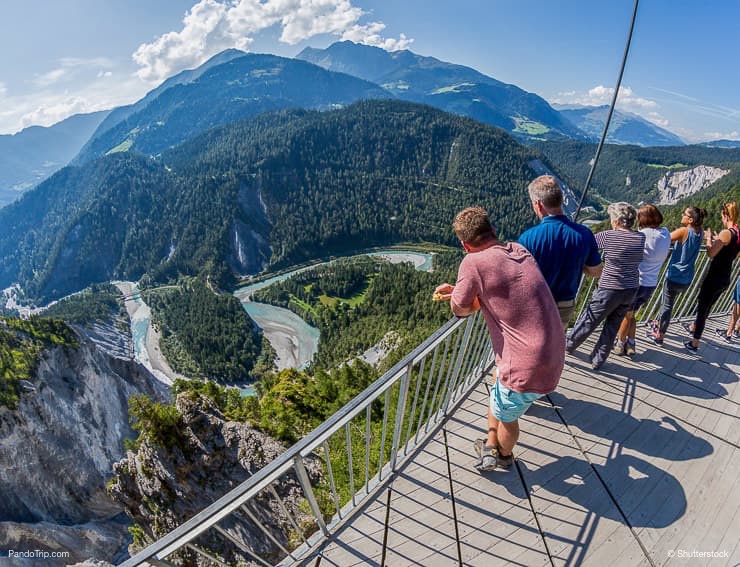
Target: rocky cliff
[(675, 185), (57, 449), (163, 486)]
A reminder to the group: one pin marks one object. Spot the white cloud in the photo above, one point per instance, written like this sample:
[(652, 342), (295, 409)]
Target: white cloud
[(211, 26), (656, 118), (70, 68), (104, 74), (48, 79), (601, 95), (734, 135), (55, 110), (369, 34), (46, 107), (3, 89)]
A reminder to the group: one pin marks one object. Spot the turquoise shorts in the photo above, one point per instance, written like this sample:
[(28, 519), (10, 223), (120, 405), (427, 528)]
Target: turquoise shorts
[(508, 405)]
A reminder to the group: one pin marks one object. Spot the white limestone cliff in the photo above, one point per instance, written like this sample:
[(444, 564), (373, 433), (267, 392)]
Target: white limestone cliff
[(675, 185)]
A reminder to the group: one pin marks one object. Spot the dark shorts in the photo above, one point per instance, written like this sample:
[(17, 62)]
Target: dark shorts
[(643, 294)]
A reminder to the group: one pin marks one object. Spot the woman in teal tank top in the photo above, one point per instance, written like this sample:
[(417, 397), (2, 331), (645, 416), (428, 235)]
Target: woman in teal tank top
[(687, 240)]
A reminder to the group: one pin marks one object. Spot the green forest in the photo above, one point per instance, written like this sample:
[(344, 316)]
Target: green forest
[(21, 343), (97, 303), (296, 185), (205, 334), (354, 303), (643, 166)]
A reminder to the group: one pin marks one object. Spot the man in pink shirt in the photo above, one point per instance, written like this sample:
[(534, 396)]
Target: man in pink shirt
[(503, 280)]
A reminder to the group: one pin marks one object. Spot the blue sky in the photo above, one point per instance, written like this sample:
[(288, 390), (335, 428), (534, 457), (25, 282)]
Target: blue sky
[(63, 57)]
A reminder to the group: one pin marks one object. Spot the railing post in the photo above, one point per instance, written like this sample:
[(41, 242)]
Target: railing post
[(458, 363), (305, 483), (400, 410)]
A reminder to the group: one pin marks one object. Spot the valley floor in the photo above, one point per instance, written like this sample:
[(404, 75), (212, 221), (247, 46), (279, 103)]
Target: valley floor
[(150, 355)]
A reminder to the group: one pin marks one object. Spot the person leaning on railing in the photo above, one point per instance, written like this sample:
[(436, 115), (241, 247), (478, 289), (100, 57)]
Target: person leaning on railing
[(503, 281), (722, 248), (687, 239), (623, 251), (563, 249), (657, 246)]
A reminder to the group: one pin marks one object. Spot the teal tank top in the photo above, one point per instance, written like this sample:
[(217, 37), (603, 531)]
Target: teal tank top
[(683, 258)]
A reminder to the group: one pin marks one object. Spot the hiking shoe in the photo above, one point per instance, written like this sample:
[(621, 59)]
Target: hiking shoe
[(620, 347), (723, 333), (690, 347), (629, 348), (736, 334), (504, 462), (479, 445), (655, 337), (488, 456), (493, 462)]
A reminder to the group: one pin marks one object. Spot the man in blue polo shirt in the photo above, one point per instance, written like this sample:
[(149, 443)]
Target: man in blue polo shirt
[(563, 249)]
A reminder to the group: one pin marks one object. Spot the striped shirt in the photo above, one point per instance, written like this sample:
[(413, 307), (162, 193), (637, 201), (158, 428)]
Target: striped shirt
[(623, 251)]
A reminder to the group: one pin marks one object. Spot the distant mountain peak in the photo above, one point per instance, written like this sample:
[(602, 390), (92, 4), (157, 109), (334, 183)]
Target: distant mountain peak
[(429, 80), (625, 127)]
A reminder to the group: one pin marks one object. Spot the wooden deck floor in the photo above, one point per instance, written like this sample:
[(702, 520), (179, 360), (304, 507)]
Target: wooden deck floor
[(638, 464)]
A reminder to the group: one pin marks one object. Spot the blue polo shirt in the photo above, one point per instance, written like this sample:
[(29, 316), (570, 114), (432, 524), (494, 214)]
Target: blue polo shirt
[(561, 248)]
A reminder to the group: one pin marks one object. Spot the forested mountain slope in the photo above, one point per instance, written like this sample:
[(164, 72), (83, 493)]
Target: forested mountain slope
[(451, 87), (34, 153), (624, 128), (224, 92), (277, 188), (631, 173)]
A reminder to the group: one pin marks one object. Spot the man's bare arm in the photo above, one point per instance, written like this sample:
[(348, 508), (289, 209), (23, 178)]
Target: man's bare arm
[(464, 311), (593, 271)]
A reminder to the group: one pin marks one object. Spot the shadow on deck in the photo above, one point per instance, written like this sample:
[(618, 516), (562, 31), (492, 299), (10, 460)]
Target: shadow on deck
[(637, 464)]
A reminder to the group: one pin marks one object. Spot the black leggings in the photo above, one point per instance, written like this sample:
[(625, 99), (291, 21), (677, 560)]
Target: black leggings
[(708, 296)]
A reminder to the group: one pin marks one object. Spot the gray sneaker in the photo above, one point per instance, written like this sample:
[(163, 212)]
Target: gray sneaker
[(488, 457)]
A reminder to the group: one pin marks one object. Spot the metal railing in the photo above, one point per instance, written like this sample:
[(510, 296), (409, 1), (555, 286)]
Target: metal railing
[(685, 304), (317, 483)]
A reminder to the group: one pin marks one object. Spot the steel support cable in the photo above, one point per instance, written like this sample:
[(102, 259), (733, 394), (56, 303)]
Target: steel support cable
[(609, 115), (534, 513), (452, 498)]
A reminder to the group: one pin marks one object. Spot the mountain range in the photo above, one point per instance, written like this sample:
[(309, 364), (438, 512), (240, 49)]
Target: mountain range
[(722, 144), (277, 189), (234, 84), (454, 88), (624, 128), (31, 155), (227, 88)]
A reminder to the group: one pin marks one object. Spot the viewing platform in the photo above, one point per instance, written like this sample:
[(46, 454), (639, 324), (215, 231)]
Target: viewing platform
[(636, 464)]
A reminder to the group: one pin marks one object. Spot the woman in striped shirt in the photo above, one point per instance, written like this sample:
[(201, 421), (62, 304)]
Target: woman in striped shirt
[(622, 251)]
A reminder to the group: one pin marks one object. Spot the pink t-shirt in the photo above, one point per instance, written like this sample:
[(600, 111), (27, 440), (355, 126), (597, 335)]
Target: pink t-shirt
[(520, 314)]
